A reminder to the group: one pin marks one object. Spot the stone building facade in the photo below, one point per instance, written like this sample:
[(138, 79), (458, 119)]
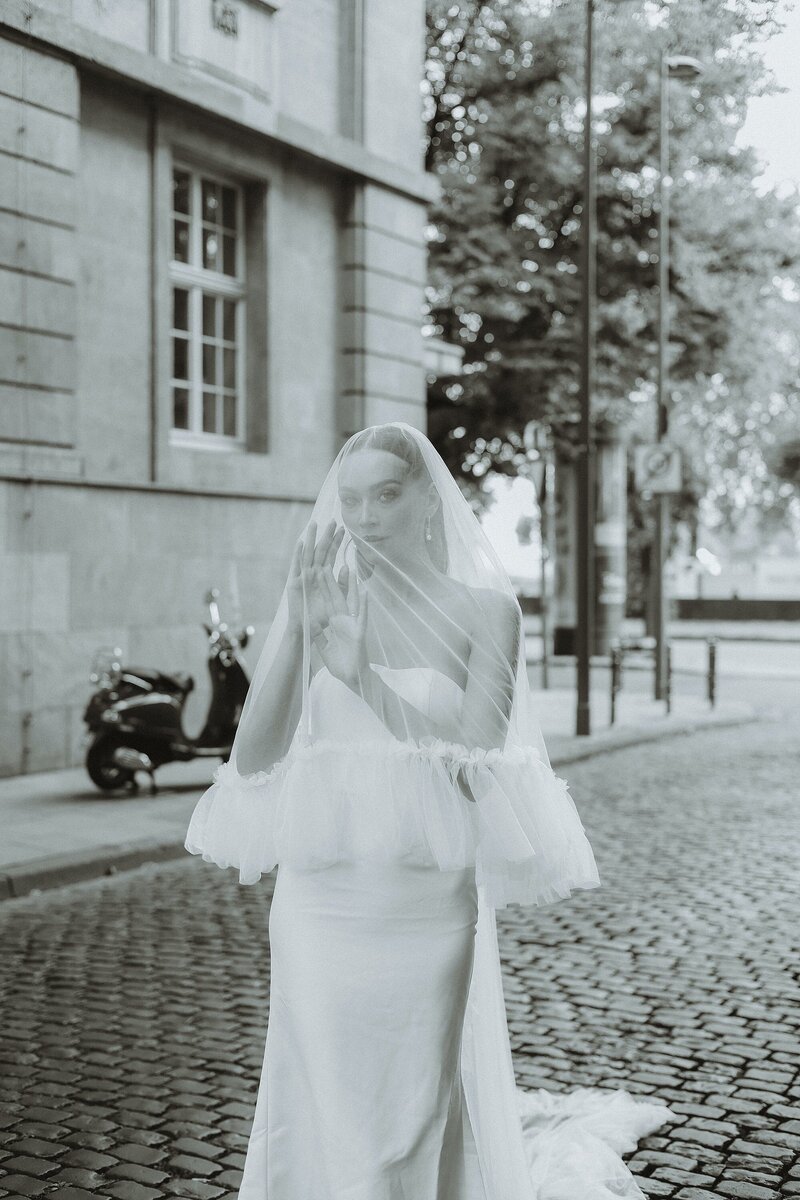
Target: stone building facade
[(212, 260)]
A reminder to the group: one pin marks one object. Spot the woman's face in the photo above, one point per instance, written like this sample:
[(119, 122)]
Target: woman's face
[(381, 505)]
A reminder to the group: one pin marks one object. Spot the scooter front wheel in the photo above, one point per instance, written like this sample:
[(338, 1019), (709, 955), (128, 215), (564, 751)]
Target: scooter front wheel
[(106, 774)]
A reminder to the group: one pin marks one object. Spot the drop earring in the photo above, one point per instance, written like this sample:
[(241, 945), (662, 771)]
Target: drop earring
[(428, 535)]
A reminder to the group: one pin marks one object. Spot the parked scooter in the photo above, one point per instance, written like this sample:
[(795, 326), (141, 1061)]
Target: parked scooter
[(135, 717)]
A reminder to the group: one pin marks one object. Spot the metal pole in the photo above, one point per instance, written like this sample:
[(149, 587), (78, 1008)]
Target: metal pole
[(658, 558), (711, 679), (585, 481), (544, 538)]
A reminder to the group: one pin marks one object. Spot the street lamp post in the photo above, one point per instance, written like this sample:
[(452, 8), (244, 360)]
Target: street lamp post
[(538, 439), (676, 67), (584, 632), (679, 66)]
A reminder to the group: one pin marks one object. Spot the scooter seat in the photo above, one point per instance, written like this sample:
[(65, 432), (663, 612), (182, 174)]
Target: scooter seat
[(178, 681)]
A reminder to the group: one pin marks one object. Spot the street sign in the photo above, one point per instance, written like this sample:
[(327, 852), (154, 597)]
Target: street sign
[(657, 468)]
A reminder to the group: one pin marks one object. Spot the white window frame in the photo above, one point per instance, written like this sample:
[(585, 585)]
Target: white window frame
[(197, 280)]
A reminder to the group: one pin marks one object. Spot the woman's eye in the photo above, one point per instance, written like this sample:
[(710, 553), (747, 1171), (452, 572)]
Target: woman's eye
[(389, 495)]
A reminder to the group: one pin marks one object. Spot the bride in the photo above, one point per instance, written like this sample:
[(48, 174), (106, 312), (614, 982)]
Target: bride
[(388, 762)]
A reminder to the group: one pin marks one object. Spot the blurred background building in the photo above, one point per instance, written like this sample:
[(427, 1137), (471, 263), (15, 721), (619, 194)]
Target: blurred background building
[(212, 256)]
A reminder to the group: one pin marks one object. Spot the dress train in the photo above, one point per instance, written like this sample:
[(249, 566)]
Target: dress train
[(540, 1145)]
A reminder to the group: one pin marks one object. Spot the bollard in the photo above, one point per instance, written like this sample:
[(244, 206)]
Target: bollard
[(616, 678), (711, 677), (621, 647)]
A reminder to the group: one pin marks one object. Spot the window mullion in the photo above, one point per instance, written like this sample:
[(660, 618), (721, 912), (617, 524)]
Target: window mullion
[(197, 360), (240, 258), (240, 326), (195, 225)]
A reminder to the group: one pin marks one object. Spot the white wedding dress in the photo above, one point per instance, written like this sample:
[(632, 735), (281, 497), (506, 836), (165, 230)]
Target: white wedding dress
[(387, 1072)]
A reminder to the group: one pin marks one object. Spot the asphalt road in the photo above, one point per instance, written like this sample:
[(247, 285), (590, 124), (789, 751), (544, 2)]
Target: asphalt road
[(134, 1008)]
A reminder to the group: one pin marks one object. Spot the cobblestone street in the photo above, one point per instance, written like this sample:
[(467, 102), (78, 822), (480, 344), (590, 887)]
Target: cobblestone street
[(134, 1008)]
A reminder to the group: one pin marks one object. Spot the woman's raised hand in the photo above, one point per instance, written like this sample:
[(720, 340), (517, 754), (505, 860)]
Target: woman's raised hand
[(310, 573), (342, 647)]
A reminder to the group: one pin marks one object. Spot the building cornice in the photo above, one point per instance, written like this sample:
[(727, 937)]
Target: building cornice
[(88, 50), (41, 479)]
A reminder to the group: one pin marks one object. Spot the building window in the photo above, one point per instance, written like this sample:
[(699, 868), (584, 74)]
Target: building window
[(207, 276)]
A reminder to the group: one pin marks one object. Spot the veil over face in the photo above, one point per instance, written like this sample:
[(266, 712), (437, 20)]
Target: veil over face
[(389, 714)]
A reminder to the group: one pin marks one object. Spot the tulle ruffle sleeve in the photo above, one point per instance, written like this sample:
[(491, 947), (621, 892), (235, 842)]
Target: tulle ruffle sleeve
[(435, 803)]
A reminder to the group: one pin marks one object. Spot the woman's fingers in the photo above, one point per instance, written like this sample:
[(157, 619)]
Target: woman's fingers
[(336, 542), (308, 545), (352, 593), (322, 545), (324, 569), (362, 615), (314, 562), (330, 545), (333, 592), (323, 548)]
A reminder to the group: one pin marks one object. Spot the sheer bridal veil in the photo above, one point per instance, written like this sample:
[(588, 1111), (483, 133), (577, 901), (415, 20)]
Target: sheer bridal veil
[(389, 717), (395, 597)]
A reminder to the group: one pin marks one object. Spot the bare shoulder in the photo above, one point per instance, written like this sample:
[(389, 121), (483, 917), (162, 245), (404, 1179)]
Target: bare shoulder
[(488, 613)]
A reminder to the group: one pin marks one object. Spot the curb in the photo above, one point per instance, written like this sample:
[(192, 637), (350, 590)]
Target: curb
[(643, 736), (60, 870)]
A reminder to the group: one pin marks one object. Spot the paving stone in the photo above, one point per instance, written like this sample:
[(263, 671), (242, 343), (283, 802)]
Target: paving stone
[(137, 1173), (654, 1187), (231, 1179), (686, 1178), (39, 1168), (38, 1146), (79, 1193), (133, 1152), (193, 1146), (79, 1176), (193, 1189), (143, 1137), (746, 1191), (758, 1148), (133, 1191), (90, 1124), (763, 1178), (88, 1158), (184, 1164), (704, 1137), (23, 1185)]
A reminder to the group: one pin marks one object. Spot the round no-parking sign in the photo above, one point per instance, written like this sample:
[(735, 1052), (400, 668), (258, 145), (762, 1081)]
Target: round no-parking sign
[(657, 467)]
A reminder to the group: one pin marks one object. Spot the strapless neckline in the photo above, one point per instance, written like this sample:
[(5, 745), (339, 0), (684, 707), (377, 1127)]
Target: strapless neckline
[(435, 670)]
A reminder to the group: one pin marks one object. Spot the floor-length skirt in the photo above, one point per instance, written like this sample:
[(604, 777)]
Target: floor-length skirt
[(387, 1071), (360, 1095)]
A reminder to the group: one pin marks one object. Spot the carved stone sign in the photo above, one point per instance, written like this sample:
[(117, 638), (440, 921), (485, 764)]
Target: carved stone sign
[(230, 39), (225, 17)]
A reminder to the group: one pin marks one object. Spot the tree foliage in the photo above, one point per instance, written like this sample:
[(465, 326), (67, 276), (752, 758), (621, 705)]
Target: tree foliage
[(504, 95)]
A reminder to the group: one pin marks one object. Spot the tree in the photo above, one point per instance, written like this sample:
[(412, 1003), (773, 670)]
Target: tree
[(505, 128)]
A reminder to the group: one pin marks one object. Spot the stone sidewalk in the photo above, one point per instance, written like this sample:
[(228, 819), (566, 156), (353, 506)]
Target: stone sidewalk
[(58, 828)]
